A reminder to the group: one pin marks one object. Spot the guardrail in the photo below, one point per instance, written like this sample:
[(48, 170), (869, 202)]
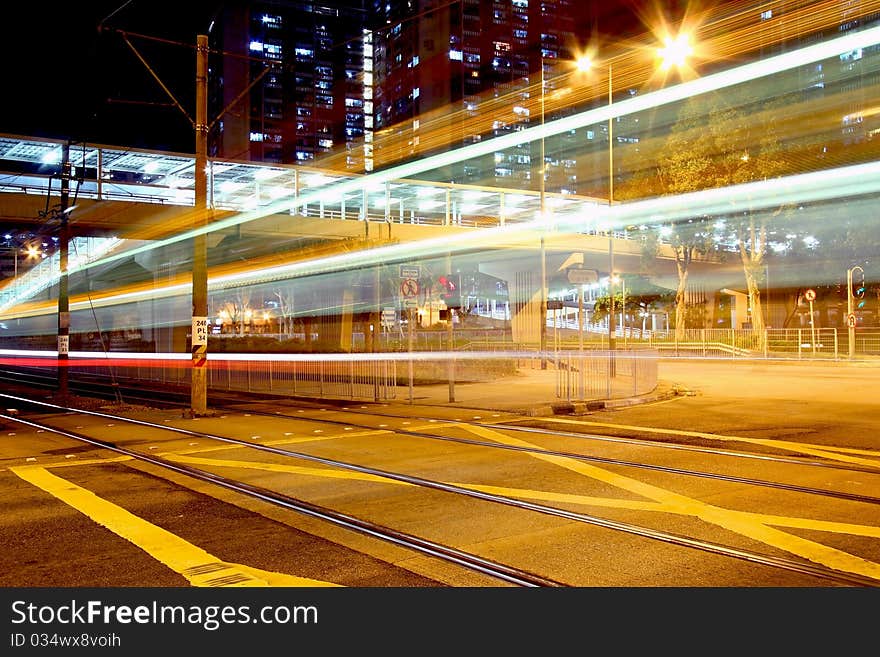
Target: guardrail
[(599, 374)]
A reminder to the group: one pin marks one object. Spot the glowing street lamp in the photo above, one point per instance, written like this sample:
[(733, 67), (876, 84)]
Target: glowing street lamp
[(674, 53)]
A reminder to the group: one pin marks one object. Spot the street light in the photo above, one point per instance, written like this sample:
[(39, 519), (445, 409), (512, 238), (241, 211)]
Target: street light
[(543, 211), (674, 53), (585, 63)]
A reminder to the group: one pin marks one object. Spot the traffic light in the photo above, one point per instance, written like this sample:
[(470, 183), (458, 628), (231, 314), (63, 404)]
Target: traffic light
[(858, 287), (450, 290)]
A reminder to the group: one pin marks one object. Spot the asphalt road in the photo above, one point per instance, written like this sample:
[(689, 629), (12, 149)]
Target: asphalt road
[(806, 413)]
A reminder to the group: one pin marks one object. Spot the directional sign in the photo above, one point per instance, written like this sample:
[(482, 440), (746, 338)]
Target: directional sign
[(410, 271), (409, 288), (810, 295), (581, 276), (410, 303)]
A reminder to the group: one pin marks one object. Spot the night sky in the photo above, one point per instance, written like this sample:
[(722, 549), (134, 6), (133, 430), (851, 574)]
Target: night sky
[(62, 78)]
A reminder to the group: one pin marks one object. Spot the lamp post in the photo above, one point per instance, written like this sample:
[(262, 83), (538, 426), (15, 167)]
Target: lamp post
[(543, 211), (612, 329), (585, 64), (673, 54)]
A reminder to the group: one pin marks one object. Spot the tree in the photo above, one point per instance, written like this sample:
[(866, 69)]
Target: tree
[(720, 142), (286, 298), (686, 166), (748, 149)]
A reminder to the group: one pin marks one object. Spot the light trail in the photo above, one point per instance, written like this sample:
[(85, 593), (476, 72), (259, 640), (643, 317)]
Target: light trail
[(714, 82)]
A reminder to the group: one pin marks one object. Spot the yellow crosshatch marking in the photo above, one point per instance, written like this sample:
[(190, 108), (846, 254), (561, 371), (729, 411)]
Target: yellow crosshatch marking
[(757, 526), (824, 451), (752, 525), (193, 563)]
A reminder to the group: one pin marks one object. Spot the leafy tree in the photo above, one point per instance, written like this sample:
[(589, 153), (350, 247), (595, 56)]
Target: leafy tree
[(686, 166), (719, 142)]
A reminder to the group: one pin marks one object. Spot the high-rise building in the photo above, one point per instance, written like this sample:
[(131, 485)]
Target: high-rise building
[(338, 70), (291, 76)]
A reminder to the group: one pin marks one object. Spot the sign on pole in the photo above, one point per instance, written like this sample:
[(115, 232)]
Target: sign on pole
[(582, 276), (810, 295), (851, 320), (199, 331), (409, 288), (410, 271)]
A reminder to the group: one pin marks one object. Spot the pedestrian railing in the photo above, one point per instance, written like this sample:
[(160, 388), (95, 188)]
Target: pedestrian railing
[(798, 343), (598, 374), (333, 378)]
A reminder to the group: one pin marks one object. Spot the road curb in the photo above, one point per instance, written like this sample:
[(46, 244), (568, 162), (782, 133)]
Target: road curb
[(591, 406)]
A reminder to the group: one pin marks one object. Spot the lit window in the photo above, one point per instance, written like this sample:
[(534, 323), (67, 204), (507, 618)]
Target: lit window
[(256, 136), (455, 55)]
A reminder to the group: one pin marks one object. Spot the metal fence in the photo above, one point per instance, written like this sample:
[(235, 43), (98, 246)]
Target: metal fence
[(374, 379), (803, 343), (596, 374)]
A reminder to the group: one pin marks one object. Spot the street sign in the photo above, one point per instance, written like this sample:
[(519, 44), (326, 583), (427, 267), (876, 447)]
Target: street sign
[(555, 304), (410, 271), (199, 331), (851, 320), (581, 276), (810, 295), (409, 288), (410, 303)]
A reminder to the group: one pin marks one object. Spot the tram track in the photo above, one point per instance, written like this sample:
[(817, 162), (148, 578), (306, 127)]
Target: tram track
[(171, 399), (444, 552), (422, 546)]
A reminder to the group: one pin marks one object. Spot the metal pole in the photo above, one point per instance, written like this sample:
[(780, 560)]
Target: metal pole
[(63, 296), (199, 387), (450, 337), (623, 308), (581, 341), (612, 329), (451, 364), (409, 325), (812, 328), (850, 328), (543, 251)]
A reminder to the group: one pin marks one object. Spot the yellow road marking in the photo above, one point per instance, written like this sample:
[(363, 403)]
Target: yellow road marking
[(833, 453), (545, 496), (743, 523), (198, 566), (287, 469), (63, 464)]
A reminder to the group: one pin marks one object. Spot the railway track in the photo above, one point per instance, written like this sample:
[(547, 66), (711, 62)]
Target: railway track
[(507, 573)]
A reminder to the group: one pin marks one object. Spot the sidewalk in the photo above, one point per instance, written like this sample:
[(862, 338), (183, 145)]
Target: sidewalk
[(529, 392)]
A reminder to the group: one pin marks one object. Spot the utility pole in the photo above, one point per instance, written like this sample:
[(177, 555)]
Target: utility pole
[(199, 385), (63, 295), (199, 342)]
